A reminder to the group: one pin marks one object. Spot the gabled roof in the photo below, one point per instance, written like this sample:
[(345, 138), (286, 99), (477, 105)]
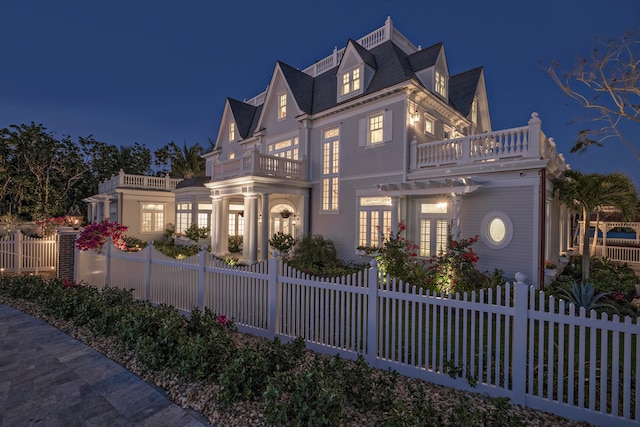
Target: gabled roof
[(301, 86), (243, 114), (392, 66), (366, 56), (425, 58), (462, 89)]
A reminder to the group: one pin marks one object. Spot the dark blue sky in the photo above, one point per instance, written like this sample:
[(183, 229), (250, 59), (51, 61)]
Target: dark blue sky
[(157, 71)]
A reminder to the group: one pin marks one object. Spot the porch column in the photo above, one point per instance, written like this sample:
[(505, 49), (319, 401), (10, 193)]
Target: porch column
[(250, 241), (224, 226), (394, 215), (216, 225), (306, 215), (456, 204), (106, 210), (264, 228)]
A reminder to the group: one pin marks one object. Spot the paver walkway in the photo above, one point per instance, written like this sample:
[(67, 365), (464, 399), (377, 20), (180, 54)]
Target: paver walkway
[(48, 378)]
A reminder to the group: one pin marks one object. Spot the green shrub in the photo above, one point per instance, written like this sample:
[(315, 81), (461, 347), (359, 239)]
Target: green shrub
[(234, 243), (196, 233)]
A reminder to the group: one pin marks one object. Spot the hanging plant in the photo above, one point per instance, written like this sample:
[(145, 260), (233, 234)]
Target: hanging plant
[(285, 213)]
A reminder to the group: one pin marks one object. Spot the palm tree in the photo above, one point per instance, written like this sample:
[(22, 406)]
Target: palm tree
[(588, 193), (186, 162)]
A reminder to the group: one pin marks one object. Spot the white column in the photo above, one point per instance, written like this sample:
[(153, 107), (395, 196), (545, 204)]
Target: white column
[(216, 226), (394, 215), (106, 209), (264, 228), (250, 240), (456, 204), (224, 226)]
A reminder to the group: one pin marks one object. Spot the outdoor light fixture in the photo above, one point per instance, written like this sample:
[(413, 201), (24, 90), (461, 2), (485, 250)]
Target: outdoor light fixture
[(74, 217)]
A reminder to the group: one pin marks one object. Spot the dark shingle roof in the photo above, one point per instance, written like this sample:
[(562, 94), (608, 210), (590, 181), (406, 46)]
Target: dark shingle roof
[(425, 58), (243, 114), (301, 86), (392, 65), (196, 181), (462, 89)]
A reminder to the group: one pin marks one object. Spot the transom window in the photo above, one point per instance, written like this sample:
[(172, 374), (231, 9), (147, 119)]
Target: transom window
[(232, 131), (152, 217), (351, 81), (374, 219), (376, 126), (330, 169), (441, 86), (287, 148), (282, 106)]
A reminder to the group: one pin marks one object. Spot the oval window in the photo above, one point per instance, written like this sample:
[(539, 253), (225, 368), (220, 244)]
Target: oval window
[(497, 230)]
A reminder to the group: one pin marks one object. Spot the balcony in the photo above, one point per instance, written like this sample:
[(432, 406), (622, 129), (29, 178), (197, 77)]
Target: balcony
[(499, 148), (143, 182), (255, 163)]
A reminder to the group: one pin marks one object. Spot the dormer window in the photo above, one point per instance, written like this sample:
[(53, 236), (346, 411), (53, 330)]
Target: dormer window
[(282, 106), (351, 81), (441, 85), (232, 131)]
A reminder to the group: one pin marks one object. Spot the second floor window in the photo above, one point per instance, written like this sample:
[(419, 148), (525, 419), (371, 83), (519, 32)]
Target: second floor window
[(428, 125), (474, 111), (282, 106), (232, 131), (441, 86), (287, 148), (376, 126), (330, 169), (351, 81)]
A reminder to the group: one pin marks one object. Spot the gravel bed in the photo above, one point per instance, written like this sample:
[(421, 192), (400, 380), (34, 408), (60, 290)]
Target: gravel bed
[(201, 396)]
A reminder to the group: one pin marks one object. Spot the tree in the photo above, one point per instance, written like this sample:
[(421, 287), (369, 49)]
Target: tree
[(588, 193), (183, 163), (608, 85), (37, 172)]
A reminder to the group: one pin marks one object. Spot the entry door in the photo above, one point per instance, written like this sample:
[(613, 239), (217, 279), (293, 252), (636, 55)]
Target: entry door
[(281, 224)]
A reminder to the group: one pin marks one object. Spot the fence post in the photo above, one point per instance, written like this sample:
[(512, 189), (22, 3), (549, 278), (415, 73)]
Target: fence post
[(274, 265), (371, 354), (107, 262), (67, 253), (18, 259), (147, 271), (520, 320), (201, 272)]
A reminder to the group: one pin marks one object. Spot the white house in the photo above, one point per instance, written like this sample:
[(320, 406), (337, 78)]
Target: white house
[(145, 204), (380, 132)]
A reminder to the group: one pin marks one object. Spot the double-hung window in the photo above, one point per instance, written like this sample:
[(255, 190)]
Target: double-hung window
[(374, 220), (282, 106), (183, 217), (441, 84), (232, 131), (152, 217), (204, 214), (474, 111), (330, 169), (433, 220), (376, 129), (351, 81)]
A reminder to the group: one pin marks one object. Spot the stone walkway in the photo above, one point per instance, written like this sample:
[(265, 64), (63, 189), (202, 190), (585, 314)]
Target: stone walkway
[(50, 379)]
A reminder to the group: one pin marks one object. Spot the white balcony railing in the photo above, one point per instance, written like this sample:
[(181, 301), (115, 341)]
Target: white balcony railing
[(527, 142), (258, 164), (124, 180)]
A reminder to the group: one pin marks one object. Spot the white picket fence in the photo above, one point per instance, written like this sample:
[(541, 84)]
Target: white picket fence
[(514, 341), (21, 254)]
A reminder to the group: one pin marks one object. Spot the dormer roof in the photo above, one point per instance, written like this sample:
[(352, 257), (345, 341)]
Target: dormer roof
[(462, 89), (366, 56), (243, 115), (425, 58), (301, 86)]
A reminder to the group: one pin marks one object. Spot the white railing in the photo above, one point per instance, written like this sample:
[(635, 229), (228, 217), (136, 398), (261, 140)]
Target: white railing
[(527, 142), (513, 341), (20, 253), (124, 180), (258, 164)]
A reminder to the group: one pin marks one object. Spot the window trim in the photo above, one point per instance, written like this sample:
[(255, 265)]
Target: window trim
[(153, 217), (282, 106), (330, 172), (485, 233), (232, 131)]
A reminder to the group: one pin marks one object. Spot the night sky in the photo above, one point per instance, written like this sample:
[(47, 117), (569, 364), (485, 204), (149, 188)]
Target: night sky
[(158, 71)]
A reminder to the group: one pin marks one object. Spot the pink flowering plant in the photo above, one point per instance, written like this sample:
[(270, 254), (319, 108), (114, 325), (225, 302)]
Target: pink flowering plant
[(397, 255), (94, 236)]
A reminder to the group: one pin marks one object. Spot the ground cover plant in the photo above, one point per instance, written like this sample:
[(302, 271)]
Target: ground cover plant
[(205, 363)]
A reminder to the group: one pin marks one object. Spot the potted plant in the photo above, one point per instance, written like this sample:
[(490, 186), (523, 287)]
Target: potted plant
[(282, 242), (549, 268), (563, 257)]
